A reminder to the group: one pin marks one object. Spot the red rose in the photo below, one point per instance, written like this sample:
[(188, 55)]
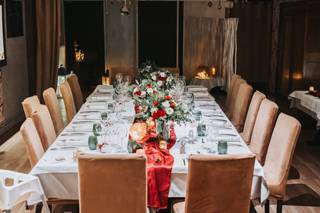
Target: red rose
[(167, 97), (154, 92), (155, 103), (162, 78), (159, 113), (137, 108), (172, 104), (138, 93), (149, 86)]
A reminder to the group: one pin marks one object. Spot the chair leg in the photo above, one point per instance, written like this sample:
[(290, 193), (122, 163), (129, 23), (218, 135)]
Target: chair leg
[(279, 206), (267, 206), (252, 209)]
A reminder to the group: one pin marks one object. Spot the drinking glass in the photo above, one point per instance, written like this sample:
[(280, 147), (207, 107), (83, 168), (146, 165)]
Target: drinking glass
[(119, 78), (222, 147), (97, 129), (92, 142)]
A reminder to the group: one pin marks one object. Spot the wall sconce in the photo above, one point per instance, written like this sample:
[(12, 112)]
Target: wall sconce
[(213, 71)]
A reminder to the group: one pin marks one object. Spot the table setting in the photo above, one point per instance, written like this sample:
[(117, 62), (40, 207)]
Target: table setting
[(159, 116)]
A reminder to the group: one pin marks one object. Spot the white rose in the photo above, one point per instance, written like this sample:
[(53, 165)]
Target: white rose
[(143, 94), (149, 90), (166, 104), (154, 77), (162, 74), (169, 111), (136, 89), (160, 83), (153, 110)]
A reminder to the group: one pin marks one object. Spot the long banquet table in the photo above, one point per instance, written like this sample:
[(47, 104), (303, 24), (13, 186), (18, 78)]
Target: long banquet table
[(58, 170)]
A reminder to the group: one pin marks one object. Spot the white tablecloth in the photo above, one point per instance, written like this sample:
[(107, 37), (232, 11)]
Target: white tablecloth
[(208, 83), (307, 103), (57, 169)]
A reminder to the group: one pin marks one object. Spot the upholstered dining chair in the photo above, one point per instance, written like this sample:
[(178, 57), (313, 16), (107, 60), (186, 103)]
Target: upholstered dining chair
[(30, 104), (76, 90), (241, 105), (279, 157), (115, 182), (262, 129), (234, 77), (234, 93), (251, 116), (44, 125), (68, 100), (32, 141), (213, 181), (51, 101)]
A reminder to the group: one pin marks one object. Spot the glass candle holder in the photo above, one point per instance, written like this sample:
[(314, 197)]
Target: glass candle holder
[(222, 147), (92, 142)]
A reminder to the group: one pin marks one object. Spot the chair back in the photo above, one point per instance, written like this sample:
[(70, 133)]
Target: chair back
[(30, 104), (51, 101), (76, 90), (214, 180), (234, 93), (32, 141), (234, 77), (68, 100), (241, 105), (116, 182), (262, 129), (44, 125), (279, 157), (252, 115)]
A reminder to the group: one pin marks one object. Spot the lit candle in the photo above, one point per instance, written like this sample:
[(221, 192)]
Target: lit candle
[(213, 71), (311, 88)]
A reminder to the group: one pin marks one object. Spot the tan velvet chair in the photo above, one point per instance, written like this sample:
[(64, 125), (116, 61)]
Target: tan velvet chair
[(68, 100), (73, 82), (218, 183), (234, 93), (112, 183), (51, 101), (44, 125), (263, 128), (30, 104), (234, 77), (252, 113), (32, 141), (279, 157), (241, 105)]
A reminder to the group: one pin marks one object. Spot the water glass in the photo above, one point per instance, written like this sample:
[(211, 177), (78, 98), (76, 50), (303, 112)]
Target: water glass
[(202, 129), (92, 142), (222, 147), (197, 115), (96, 129), (104, 116)]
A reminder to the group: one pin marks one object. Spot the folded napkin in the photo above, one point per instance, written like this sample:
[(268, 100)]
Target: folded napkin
[(228, 138), (101, 98), (201, 94), (197, 89), (230, 132)]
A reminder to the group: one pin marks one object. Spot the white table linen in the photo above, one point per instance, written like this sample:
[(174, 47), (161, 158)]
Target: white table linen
[(57, 169), (307, 103)]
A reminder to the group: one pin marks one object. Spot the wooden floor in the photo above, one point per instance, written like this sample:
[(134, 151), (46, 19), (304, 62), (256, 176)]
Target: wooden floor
[(303, 189)]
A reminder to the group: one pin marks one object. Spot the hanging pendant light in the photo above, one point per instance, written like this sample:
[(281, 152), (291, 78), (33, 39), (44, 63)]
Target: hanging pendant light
[(124, 10)]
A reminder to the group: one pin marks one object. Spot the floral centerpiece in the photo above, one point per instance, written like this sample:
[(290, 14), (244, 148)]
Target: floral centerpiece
[(155, 108)]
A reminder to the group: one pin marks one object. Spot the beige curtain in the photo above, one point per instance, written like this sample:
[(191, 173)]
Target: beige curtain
[(210, 42), (229, 29), (200, 44), (48, 14)]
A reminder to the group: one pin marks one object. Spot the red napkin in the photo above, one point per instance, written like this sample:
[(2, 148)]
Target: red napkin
[(159, 167)]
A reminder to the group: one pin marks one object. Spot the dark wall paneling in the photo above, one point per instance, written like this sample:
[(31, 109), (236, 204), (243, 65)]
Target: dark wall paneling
[(14, 18), (254, 41), (157, 32)]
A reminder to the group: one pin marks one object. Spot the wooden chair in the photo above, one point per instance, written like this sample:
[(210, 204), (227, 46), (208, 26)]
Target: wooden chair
[(218, 183), (32, 141), (251, 116), (279, 157), (115, 182), (73, 82), (68, 100), (44, 126), (51, 101), (262, 129)]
